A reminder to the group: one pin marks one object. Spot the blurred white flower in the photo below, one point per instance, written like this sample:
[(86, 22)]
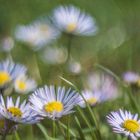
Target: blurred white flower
[(89, 97), (7, 44), (71, 20), (123, 122), (131, 77), (54, 55), (37, 34), (24, 85), (74, 67), (103, 84), (9, 71)]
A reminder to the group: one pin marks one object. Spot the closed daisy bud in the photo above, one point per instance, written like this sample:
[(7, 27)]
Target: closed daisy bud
[(123, 122), (54, 103), (7, 44), (71, 20)]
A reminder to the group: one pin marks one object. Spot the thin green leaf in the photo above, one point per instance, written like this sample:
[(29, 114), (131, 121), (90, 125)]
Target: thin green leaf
[(17, 136), (81, 134), (65, 127), (44, 131)]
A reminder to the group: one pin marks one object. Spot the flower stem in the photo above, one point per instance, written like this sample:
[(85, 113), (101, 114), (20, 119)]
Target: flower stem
[(54, 129), (68, 126), (69, 47), (3, 137)]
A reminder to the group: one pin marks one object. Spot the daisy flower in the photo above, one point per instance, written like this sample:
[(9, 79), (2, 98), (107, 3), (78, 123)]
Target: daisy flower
[(9, 71), (53, 103), (24, 85), (103, 84), (7, 44), (18, 112), (89, 97), (123, 122), (71, 20), (37, 34), (54, 55), (131, 78)]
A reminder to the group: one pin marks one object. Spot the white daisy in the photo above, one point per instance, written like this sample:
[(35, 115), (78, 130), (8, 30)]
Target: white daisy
[(103, 84), (9, 71), (71, 20), (23, 84), (123, 122), (53, 103), (37, 34), (18, 112), (89, 97)]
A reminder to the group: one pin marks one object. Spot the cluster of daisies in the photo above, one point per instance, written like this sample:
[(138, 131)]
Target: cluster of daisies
[(50, 101), (55, 102), (44, 31), (14, 76)]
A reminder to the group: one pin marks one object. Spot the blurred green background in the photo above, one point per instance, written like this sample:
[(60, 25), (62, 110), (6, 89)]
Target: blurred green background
[(116, 46), (118, 23)]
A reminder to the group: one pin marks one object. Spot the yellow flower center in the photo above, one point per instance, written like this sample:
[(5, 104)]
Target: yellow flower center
[(16, 112), (21, 85), (131, 125), (53, 106), (4, 77), (71, 27), (92, 101)]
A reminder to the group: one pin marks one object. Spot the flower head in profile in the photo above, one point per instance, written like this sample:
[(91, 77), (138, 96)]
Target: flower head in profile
[(18, 112), (131, 78), (37, 34), (53, 103), (71, 20), (90, 98), (104, 85), (24, 85), (123, 122), (9, 71)]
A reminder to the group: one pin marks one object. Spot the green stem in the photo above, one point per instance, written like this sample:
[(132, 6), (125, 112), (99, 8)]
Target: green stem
[(3, 137), (69, 47), (86, 121), (60, 128), (54, 129), (17, 136), (37, 66), (43, 130), (68, 126)]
